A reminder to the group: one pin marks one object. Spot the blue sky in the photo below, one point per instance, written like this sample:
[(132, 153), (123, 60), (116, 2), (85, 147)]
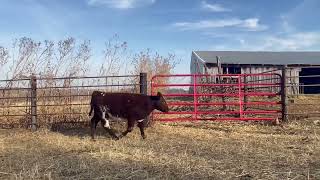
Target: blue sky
[(168, 26)]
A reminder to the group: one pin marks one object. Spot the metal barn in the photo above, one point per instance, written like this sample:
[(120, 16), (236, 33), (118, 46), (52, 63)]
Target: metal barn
[(303, 68)]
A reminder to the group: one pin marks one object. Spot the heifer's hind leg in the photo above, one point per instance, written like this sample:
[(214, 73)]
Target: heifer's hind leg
[(141, 127), (129, 128), (93, 126)]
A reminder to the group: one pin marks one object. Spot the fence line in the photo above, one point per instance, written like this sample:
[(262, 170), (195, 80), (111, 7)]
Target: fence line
[(40, 101)]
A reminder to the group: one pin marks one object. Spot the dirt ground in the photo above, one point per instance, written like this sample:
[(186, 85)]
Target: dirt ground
[(221, 150)]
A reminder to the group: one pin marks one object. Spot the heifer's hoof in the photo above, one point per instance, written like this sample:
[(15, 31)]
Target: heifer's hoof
[(144, 137), (116, 138), (93, 140)]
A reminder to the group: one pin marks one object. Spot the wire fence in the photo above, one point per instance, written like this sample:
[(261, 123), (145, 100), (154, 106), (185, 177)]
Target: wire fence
[(37, 102), (304, 103)]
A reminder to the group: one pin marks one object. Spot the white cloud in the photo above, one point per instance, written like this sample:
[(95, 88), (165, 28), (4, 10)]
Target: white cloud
[(214, 7), (251, 24), (297, 41), (300, 41), (121, 4)]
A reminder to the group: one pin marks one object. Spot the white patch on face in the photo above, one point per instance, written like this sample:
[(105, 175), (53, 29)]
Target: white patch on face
[(140, 120)]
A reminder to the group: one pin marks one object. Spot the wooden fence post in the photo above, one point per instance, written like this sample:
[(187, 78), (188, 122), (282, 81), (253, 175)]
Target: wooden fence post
[(284, 98), (33, 83)]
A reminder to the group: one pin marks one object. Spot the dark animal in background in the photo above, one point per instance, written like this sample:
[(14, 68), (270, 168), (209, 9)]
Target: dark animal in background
[(132, 107)]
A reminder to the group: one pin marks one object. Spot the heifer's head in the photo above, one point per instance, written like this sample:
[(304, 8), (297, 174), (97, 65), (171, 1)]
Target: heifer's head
[(160, 103)]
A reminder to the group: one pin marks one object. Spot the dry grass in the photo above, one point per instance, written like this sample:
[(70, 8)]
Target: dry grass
[(171, 151)]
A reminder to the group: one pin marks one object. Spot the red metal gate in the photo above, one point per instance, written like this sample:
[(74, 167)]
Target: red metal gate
[(219, 97)]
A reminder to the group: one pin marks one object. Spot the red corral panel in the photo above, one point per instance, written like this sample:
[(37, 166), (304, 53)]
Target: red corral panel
[(195, 97)]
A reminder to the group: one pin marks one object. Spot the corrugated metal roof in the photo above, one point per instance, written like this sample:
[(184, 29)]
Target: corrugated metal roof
[(261, 57)]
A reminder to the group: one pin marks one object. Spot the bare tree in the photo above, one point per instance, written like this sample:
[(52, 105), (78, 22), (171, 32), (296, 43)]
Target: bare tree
[(68, 58), (114, 57), (28, 56), (71, 60), (4, 56), (154, 63)]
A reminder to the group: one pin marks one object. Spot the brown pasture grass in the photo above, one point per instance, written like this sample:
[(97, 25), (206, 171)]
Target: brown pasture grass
[(204, 150)]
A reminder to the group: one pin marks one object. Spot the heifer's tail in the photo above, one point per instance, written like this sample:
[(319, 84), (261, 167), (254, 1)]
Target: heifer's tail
[(91, 107)]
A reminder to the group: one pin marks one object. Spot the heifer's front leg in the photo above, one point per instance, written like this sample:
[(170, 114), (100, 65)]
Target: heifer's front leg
[(106, 126), (129, 128), (141, 127)]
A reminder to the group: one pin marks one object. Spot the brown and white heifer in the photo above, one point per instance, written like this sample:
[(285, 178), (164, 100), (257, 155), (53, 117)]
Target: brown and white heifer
[(132, 107)]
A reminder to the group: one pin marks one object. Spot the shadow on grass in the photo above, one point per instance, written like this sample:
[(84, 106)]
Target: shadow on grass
[(82, 129), (55, 158)]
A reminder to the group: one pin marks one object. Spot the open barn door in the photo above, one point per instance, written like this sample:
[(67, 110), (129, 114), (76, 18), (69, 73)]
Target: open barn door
[(310, 80)]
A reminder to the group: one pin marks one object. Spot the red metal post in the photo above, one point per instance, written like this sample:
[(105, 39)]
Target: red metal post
[(152, 87), (240, 97), (195, 98), (152, 81)]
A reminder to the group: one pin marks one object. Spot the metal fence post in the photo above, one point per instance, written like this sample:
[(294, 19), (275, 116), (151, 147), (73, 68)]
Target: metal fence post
[(144, 90), (245, 97), (195, 98), (240, 98), (221, 88), (284, 98), (143, 83), (33, 83)]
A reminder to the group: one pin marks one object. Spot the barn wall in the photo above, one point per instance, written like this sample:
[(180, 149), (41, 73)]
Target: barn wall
[(293, 80), (213, 70), (196, 67), (293, 73), (262, 79), (292, 77)]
